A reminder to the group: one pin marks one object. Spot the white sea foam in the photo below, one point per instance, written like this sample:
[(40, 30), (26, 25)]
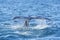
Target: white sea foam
[(23, 33), (40, 26)]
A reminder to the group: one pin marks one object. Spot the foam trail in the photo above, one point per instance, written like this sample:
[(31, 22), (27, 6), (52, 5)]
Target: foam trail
[(40, 27), (23, 33)]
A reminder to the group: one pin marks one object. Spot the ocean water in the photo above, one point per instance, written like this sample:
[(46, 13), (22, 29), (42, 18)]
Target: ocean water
[(47, 27)]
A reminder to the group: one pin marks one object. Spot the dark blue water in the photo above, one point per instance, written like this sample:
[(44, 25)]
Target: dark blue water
[(47, 10)]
